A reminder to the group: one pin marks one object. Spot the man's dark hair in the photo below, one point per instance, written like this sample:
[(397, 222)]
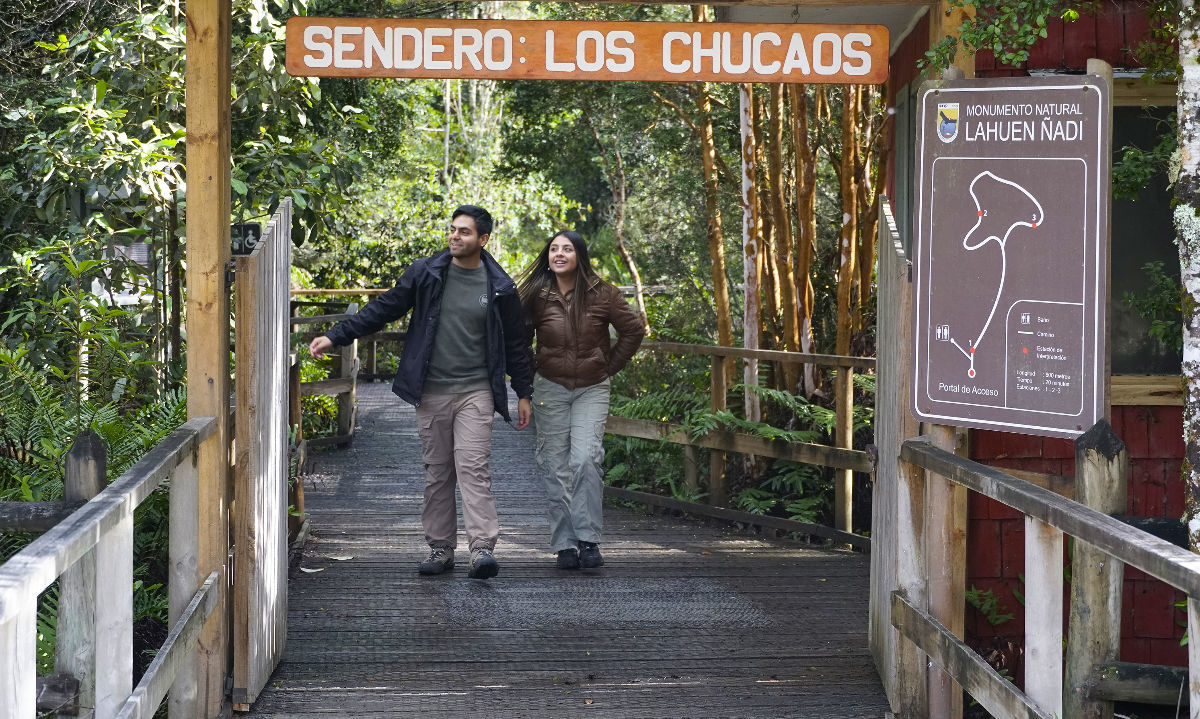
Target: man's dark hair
[(483, 218)]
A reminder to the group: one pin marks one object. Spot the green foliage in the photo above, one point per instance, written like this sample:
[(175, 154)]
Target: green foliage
[(1137, 166), (988, 604), (1161, 304)]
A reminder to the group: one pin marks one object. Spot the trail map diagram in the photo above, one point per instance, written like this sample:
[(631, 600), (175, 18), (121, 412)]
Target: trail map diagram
[(989, 225), (1010, 254)]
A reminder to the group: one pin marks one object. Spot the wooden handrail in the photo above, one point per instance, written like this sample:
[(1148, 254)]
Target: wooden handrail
[(1174, 565), (763, 355)]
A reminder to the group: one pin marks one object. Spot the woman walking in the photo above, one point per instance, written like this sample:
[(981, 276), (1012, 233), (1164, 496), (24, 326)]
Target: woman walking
[(568, 310)]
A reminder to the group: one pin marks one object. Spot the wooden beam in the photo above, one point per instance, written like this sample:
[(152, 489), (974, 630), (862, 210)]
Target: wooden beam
[(1135, 92), (335, 386), (207, 98), (1140, 683), (34, 516), (998, 695), (1147, 390), (743, 443), (945, 556), (761, 355), (180, 642), (733, 515)]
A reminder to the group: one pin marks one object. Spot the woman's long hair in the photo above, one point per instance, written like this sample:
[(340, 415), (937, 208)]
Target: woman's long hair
[(538, 276)]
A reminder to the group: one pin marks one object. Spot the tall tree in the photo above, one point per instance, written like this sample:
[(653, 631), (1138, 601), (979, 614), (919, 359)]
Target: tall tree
[(784, 245), (806, 224), (751, 250), (1187, 228)]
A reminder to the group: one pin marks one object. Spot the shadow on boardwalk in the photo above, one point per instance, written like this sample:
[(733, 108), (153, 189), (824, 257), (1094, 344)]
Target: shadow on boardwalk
[(686, 619)]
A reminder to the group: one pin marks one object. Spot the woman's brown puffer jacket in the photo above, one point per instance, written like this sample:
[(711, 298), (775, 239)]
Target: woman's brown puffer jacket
[(582, 357)]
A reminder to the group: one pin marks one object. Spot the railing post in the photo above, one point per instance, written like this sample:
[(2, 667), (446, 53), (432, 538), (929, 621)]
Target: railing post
[(296, 420), (75, 636), (843, 485), (946, 552), (1193, 612), (182, 584), (912, 582), (372, 358), (1043, 615), (114, 616), (716, 466), (1094, 628), (18, 662)]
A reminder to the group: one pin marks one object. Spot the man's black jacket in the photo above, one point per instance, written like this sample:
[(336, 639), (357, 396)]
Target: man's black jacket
[(420, 290)]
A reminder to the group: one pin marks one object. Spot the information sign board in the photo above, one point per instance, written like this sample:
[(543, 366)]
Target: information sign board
[(1011, 253), (580, 50)]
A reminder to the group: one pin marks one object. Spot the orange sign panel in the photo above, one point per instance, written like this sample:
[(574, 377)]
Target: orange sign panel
[(545, 50)]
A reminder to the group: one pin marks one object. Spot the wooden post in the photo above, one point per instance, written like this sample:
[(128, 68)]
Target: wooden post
[(1094, 629), (373, 358), (18, 662), (898, 522), (207, 97), (113, 603), (296, 420), (946, 553), (691, 468), (1043, 615), (843, 484), (716, 462), (1099, 67), (182, 582), (1193, 611), (75, 638)]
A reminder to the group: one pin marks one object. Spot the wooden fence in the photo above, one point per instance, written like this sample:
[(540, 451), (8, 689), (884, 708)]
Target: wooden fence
[(90, 553), (87, 545), (918, 563), (343, 385)]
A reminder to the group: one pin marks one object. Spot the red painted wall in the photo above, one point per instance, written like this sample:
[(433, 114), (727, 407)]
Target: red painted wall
[(1151, 626)]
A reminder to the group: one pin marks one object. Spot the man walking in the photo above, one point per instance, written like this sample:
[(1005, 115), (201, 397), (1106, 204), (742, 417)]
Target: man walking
[(465, 334)]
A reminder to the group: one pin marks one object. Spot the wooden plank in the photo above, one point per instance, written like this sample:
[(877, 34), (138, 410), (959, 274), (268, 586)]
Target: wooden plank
[(75, 635), (998, 695), (787, 525), (320, 319), (865, 363), (740, 442), (1135, 92), (179, 646), (898, 556), (1193, 610), (114, 616), (1044, 616), (1140, 683), (1148, 390), (34, 516), (208, 98), (1094, 627), (335, 386), (945, 556), (181, 582), (18, 658), (1174, 565)]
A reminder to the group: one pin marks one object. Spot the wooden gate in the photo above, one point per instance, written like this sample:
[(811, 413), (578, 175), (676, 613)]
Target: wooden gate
[(260, 504)]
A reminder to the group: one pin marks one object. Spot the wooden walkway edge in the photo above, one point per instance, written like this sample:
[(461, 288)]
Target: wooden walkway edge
[(687, 619)]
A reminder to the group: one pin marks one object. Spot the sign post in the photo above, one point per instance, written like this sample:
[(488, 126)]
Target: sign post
[(1011, 254)]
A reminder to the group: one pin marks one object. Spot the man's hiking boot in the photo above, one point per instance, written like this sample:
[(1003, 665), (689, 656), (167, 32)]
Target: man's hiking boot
[(483, 564), (440, 559), (589, 555), (567, 559)]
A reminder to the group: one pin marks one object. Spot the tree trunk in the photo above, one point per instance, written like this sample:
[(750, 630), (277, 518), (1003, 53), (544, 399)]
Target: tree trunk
[(1187, 228), (806, 226), (870, 233), (716, 239), (867, 199), (751, 246), (849, 239), (784, 244), (175, 290)]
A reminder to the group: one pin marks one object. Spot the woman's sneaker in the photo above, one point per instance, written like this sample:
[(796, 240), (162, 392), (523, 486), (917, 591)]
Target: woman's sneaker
[(567, 559), (483, 564), (589, 555), (440, 559)]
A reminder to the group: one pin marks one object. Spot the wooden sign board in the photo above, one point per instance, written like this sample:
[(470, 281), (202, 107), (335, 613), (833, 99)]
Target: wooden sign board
[(544, 50)]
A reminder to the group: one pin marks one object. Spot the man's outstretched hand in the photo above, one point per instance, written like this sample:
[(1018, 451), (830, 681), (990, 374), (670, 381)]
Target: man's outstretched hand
[(524, 412), (318, 347)]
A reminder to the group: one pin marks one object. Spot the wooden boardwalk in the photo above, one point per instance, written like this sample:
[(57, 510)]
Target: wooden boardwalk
[(687, 619)]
